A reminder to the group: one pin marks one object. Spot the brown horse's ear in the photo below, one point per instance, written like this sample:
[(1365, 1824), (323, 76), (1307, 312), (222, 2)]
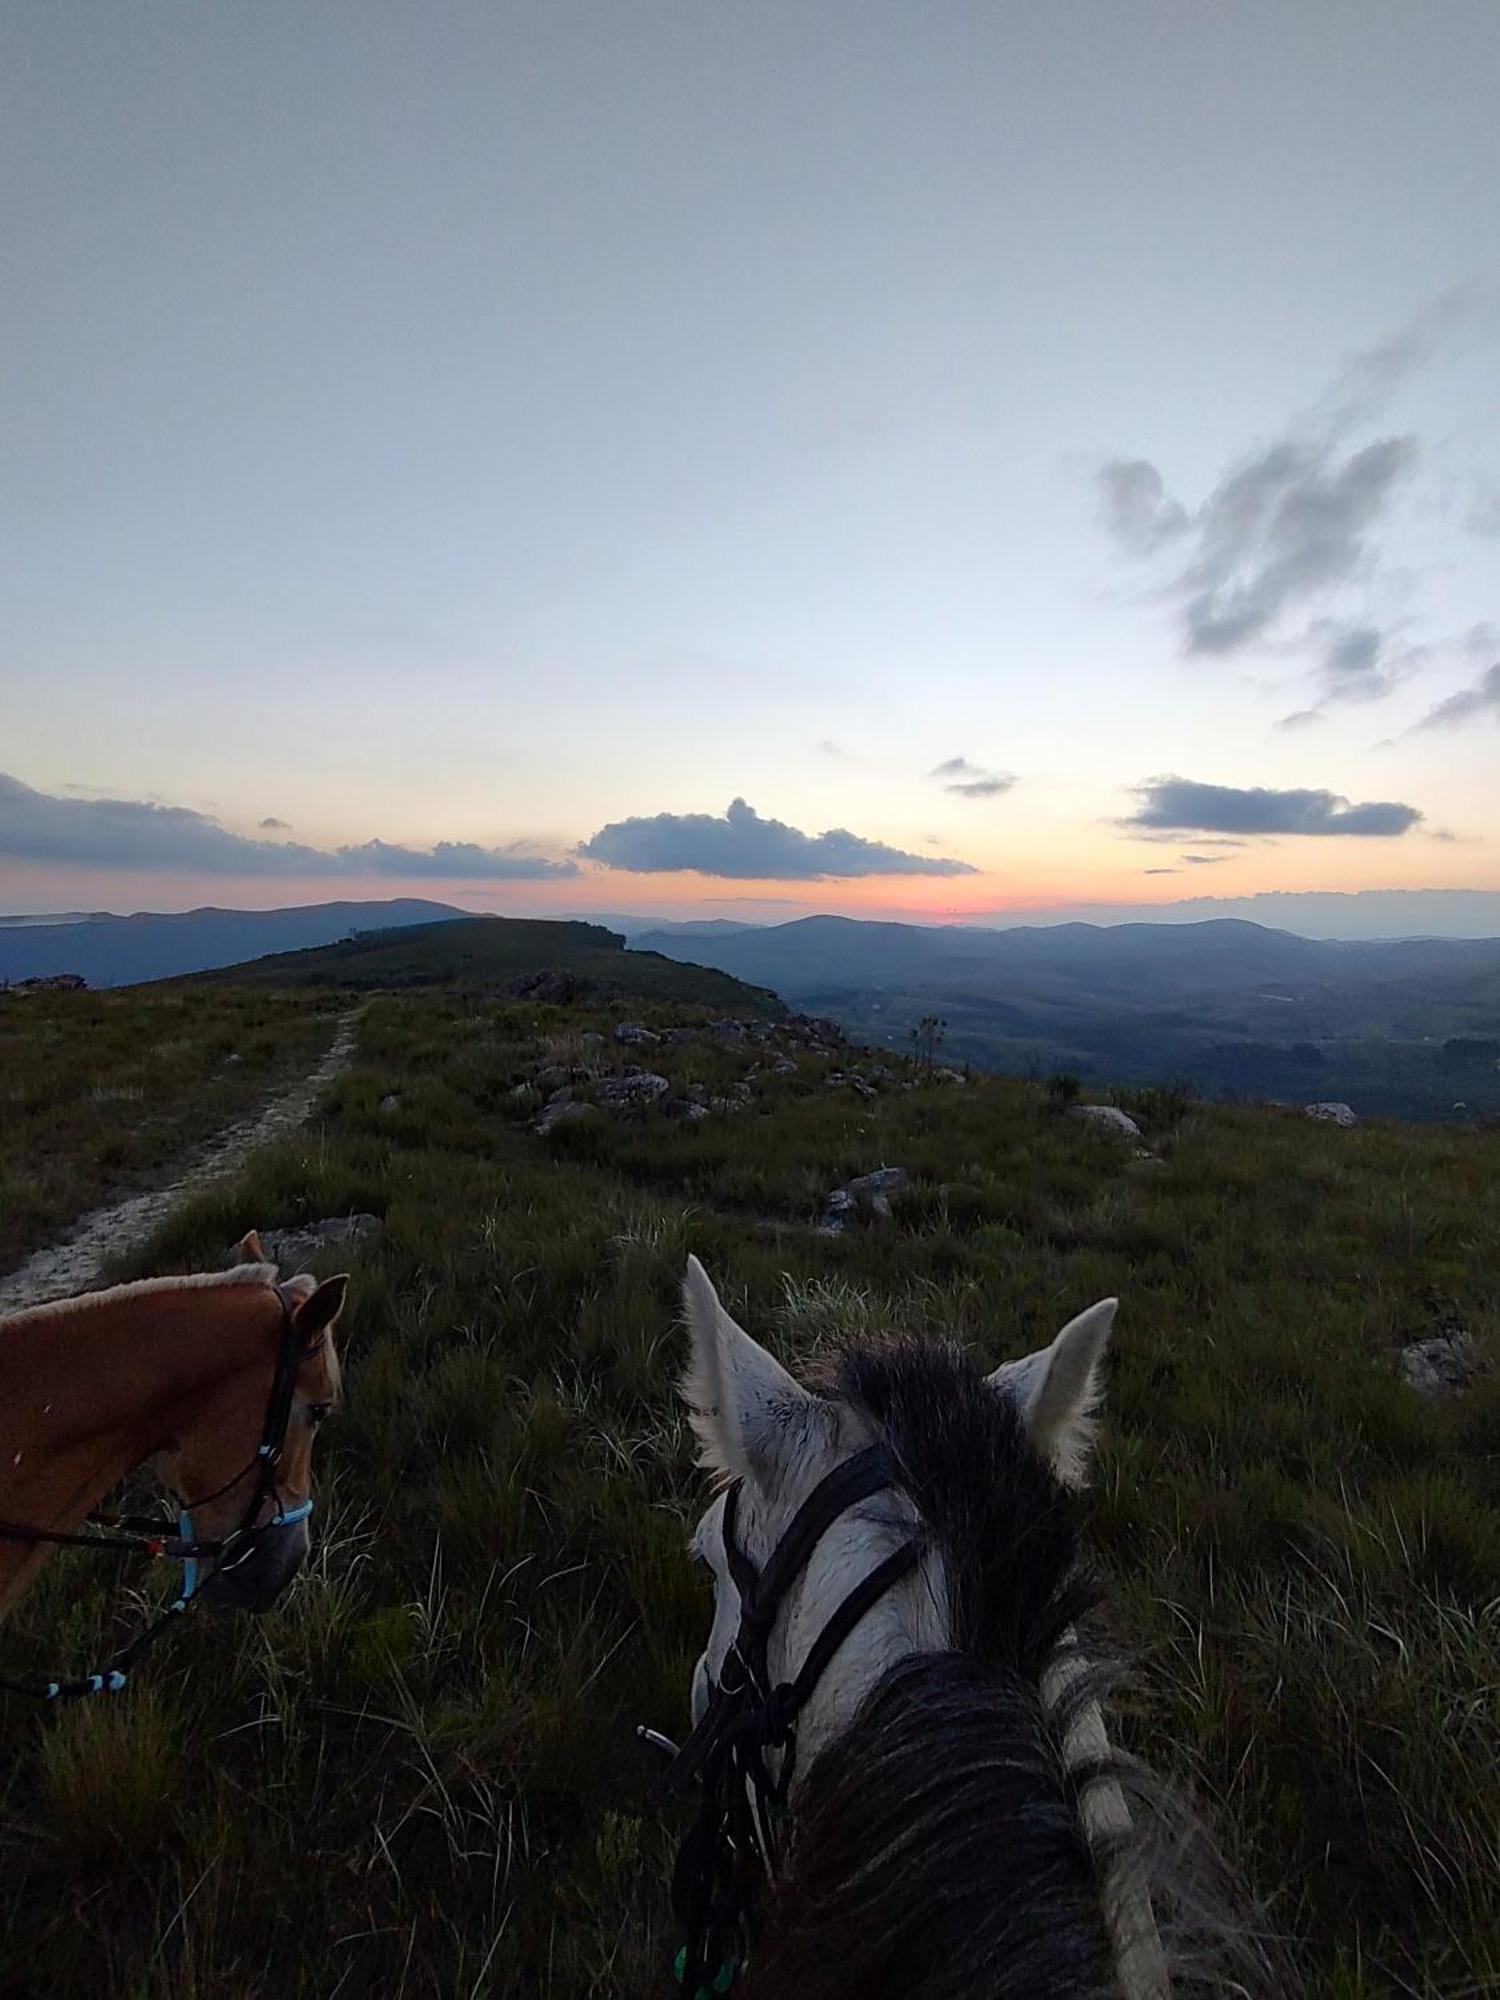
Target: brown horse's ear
[(249, 1249), (316, 1314)]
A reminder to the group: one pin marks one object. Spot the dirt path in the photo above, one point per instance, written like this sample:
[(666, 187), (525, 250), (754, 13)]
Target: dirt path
[(76, 1261)]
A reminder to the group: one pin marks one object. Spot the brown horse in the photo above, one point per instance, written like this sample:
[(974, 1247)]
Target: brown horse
[(180, 1372)]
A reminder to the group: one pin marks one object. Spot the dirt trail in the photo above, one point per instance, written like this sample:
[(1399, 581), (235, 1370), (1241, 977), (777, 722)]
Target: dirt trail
[(76, 1261)]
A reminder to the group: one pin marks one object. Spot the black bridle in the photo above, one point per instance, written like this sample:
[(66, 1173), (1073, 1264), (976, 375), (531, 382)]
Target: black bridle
[(730, 1848), (157, 1535)]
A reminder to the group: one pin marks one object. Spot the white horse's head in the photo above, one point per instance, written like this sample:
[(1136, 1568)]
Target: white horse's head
[(756, 1425)]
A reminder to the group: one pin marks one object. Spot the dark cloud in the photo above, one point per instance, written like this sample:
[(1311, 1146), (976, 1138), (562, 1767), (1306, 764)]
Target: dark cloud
[(1158, 871), (1295, 524), (130, 833), (1183, 806), (1137, 511), (970, 781), (1469, 705), (744, 847), (1205, 860), (273, 826), (1302, 718), (455, 859)]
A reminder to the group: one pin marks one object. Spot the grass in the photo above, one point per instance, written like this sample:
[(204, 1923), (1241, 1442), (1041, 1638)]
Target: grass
[(496, 952), (418, 1774), (100, 1092)]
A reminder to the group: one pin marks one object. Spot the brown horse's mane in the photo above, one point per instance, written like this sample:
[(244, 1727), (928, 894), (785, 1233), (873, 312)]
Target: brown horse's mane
[(114, 1295)]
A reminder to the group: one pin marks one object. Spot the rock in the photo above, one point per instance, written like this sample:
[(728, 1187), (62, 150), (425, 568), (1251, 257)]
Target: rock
[(561, 1104), (880, 1076), (232, 1062), (784, 1066), (592, 1039), (631, 1033), (391, 1101), (1331, 1114), (624, 1094), (1107, 1118), (688, 1109), (727, 1031), (871, 1192), (1441, 1366), (949, 1076), (292, 1247)]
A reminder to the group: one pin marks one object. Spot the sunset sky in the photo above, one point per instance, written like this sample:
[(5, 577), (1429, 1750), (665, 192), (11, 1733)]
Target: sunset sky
[(731, 460)]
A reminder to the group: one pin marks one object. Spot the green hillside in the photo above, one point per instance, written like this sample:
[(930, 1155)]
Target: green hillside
[(496, 952), (418, 1774)]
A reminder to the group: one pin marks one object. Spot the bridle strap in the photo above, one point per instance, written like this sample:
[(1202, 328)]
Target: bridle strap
[(729, 1848)]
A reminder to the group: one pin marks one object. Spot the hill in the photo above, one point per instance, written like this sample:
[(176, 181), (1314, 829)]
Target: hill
[(126, 951), (398, 1779), (497, 952), (1231, 1008)]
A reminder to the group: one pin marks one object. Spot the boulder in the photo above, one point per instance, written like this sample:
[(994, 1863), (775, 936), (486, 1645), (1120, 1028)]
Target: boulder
[(391, 1101), (1443, 1365), (626, 1094), (688, 1109), (871, 1192), (632, 1034), (1331, 1114), (560, 1107), (1107, 1118)]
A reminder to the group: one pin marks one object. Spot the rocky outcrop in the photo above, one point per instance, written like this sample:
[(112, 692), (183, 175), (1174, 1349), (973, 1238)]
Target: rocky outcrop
[(1331, 1114)]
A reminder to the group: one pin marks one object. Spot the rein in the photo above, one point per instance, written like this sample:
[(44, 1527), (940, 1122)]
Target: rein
[(156, 1535), (730, 1848)]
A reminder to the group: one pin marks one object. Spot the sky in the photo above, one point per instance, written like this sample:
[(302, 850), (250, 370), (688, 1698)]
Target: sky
[(958, 462)]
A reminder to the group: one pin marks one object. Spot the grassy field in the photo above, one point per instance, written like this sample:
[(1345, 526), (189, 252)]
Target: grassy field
[(417, 1776), (100, 1092), (494, 952)]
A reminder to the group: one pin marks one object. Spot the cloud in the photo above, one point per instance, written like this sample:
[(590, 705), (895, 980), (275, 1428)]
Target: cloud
[(1295, 526), (1303, 718), (1205, 860), (1158, 871), (742, 846), (1137, 511), (969, 781), (131, 833), (831, 749), (1483, 699), (1183, 806), (273, 826)]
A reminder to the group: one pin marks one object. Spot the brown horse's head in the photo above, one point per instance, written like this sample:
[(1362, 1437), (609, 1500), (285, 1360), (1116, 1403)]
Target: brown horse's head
[(213, 1467)]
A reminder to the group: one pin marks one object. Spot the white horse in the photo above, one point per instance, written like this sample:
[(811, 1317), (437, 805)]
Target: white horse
[(905, 1789)]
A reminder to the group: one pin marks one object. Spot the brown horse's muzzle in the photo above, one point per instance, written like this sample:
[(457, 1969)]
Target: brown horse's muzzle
[(253, 1581)]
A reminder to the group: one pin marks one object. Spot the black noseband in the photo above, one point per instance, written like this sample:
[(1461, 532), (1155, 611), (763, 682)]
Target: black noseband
[(728, 1849)]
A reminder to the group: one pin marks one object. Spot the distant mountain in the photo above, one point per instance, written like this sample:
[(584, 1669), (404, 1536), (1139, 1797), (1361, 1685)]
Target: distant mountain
[(1230, 1007), (127, 951), (568, 960)]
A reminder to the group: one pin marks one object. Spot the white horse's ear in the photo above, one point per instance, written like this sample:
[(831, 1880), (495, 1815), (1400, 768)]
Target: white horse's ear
[(741, 1402), (1057, 1390)]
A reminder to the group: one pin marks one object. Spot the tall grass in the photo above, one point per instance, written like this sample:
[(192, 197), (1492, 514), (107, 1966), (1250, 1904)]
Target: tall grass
[(418, 1774), (99, 1092)]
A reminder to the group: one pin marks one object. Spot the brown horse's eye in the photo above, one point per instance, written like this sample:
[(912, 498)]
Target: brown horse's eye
[(318, 1412)]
